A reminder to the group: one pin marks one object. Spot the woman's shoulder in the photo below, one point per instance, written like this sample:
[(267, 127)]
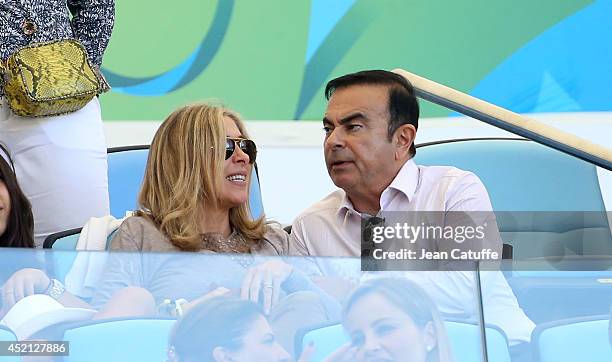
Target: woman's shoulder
[(139, 226), (275, 241), (138, 221), (140, 233)]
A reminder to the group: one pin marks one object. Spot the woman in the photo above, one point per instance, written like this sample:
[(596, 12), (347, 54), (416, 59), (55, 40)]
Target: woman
[(16, 221), (196, 189), (60, 161), (224, 329), (195, 198), (16, 231), (393, 320)]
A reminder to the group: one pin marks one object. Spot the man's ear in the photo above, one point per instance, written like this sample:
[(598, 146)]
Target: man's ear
[(404, 138), (221, 354)]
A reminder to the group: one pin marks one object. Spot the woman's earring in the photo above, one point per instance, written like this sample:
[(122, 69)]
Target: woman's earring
[(171, 355)]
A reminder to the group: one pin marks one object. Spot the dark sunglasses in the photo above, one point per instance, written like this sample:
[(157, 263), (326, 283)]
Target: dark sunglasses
[(247, 146)]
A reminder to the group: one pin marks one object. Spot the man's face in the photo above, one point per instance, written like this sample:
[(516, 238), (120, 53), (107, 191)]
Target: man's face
[(358, 154)]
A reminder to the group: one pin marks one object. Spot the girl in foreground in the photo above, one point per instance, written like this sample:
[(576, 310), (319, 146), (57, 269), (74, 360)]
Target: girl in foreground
[(225, 329), (392, 320)]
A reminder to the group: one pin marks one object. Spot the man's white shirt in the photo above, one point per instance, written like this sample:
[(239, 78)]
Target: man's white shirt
[(332, 227)]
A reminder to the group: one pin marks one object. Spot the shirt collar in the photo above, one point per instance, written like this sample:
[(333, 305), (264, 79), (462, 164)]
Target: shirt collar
[(346, 207), (405, 182)]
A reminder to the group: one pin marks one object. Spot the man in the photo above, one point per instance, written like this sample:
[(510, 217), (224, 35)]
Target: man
[(370, 125)]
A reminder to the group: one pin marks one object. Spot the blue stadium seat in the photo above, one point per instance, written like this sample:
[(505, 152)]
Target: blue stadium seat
[(585, 339), (465, 341), (126, 167), (523, 176), (64, 244), (133, 340), (63, 240), (6, 335), (68, 240), (326, 339), (125, 172)]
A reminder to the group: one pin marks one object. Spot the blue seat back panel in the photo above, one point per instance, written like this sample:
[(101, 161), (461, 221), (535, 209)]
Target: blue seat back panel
[(8, 336), (464, 338), (583, 341), (522, 175), (68, 242), (125, 174), (128, 340)]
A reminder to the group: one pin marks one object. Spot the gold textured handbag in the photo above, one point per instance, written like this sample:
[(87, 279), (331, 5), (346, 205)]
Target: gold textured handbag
[(50, 78)]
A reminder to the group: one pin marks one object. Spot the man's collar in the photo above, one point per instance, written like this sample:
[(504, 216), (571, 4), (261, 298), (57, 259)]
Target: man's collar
[(346, 206), (406, 180)]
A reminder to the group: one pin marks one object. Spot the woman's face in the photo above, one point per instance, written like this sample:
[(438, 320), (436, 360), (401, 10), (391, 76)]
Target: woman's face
[(380, 331), (235, 187), (259, 345), (5, 207)]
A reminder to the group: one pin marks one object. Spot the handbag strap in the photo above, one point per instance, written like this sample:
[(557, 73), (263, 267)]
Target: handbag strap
[(3, 75)]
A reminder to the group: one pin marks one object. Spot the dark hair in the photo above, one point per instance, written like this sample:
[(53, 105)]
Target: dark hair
[(219, 321), (403, 104), (19, 231)]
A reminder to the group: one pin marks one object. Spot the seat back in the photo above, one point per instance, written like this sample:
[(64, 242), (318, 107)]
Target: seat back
[(325, 338), (126, 166), (464, 338), (550, 289), (132, 340), (585, 339), (6, 335), (523, 177), (68, 240), (63, 240), (64, 245), (467, 346)]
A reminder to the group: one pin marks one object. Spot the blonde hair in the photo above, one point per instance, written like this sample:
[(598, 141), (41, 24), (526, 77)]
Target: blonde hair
[(184, 173)]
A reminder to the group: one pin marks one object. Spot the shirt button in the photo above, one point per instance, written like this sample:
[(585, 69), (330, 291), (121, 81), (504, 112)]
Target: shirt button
[(29, 27)]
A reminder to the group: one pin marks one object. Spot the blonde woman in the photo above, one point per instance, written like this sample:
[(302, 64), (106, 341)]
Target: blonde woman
[(195, 198), (196, 189)]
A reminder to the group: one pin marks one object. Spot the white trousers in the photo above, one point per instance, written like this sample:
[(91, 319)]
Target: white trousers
[(61, 166)]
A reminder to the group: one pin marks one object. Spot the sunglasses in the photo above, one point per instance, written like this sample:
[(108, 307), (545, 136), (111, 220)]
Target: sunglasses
[(247, 146)]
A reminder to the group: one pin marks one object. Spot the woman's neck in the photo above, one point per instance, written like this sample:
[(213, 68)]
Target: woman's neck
[(215, 221)]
